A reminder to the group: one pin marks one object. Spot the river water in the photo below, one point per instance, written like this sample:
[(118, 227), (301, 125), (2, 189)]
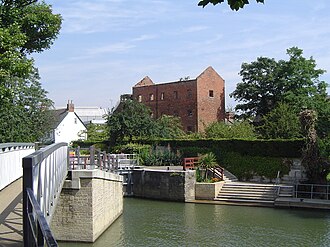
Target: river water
[(158, 223)]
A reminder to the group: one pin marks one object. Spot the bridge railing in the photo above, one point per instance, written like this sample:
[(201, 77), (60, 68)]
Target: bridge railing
[(11, 155), (44, 173), (96, 159)]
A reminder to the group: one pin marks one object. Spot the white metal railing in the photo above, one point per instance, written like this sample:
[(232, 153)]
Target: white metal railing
[(44, 172), (11, 155)]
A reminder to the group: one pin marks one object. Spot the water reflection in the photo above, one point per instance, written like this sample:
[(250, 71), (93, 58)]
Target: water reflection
[(156, 223)]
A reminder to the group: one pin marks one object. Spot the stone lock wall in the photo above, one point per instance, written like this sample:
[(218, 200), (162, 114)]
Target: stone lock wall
[(164, 184), (88, 205)]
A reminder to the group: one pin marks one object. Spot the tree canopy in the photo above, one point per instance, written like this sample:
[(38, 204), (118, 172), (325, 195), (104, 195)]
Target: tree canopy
[(266, 82), (26, 27), (134, 120), (296, 82), (234, 4)]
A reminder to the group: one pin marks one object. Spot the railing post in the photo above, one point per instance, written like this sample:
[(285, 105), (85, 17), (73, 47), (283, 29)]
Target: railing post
[(27, 183), (78, 157), (92, 154), (312, 191)]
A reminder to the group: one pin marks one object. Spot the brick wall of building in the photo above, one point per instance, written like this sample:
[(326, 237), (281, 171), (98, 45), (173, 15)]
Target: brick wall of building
[(210, 98), (188, 99)]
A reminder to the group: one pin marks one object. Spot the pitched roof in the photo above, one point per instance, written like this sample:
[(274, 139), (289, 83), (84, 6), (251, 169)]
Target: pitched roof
[(59, 115), (146, 81)]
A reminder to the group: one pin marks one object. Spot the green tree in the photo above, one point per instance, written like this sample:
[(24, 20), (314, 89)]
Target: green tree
[(266, 82), (206, 162), (25, 111), (25, 27), (281, 122), (234, 4), (132, 120), (97, 132), (219, 130), (169, 127)]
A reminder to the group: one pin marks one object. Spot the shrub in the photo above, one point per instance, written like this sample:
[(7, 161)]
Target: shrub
[(246, 166)]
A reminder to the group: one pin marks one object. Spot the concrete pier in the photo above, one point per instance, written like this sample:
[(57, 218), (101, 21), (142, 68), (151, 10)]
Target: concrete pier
[(89, 204)]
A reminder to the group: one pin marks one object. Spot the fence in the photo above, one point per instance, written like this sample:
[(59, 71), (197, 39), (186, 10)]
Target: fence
[(312, 191), (11, 155), (44, 173), (95, 159)]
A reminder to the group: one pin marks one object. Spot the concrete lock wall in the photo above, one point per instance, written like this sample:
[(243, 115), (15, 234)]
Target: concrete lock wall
[(164, 184), (88, 205)]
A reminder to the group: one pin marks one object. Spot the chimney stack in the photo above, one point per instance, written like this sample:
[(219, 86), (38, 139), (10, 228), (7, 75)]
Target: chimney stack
[(70, 106)]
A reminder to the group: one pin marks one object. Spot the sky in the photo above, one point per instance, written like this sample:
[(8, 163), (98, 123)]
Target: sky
[(106, 46)]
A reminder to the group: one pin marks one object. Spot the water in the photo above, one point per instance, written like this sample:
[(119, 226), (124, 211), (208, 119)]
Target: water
[(157, 223)]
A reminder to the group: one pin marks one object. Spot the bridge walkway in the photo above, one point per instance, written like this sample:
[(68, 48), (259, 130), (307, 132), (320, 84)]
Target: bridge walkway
[(11, 215)]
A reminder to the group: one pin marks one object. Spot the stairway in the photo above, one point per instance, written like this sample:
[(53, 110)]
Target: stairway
[(240, 193), (286, 191), (229, 177)]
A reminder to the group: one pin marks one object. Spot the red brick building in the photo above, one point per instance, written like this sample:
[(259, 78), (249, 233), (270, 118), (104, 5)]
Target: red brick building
[(198, 102)]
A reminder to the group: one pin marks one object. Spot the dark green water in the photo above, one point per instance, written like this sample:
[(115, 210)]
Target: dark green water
[(156, 223)]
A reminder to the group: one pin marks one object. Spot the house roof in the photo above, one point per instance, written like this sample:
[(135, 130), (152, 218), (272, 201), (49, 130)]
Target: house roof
[(60, 114)]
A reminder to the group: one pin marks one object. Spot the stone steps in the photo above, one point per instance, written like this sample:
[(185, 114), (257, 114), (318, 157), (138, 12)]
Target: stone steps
[(251, 193), (229, 177)]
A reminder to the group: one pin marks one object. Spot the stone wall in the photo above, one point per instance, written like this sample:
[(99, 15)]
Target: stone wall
[(172, 185), (208, 191), (88, 205)]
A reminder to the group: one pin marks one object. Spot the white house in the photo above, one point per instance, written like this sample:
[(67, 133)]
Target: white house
[(68, 126)]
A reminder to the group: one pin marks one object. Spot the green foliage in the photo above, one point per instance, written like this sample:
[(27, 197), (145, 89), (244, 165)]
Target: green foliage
[(161, 158), (134, 120), (25, 27), (131, 148), (169, 127), (193, 151), (324, 146), (281, 123), (25, 114), (246, 166), (270, 148), (97, 132), (267, 82), (220, 130), (207, 161), (328, 177), (234, 4)]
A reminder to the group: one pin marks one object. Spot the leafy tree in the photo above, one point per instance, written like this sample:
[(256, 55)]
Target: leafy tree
[(266, 82), (24, 111), (237, 130), (169, 127), (281, 122), (97, 132), (234, 4), (133, 120), (207, 161), (26, 27)]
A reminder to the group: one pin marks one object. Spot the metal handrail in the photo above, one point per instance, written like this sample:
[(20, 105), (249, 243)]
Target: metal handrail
[(100, 160), (15, 144), (44, 172), (40, 231), (311, 193), (11, 155)]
